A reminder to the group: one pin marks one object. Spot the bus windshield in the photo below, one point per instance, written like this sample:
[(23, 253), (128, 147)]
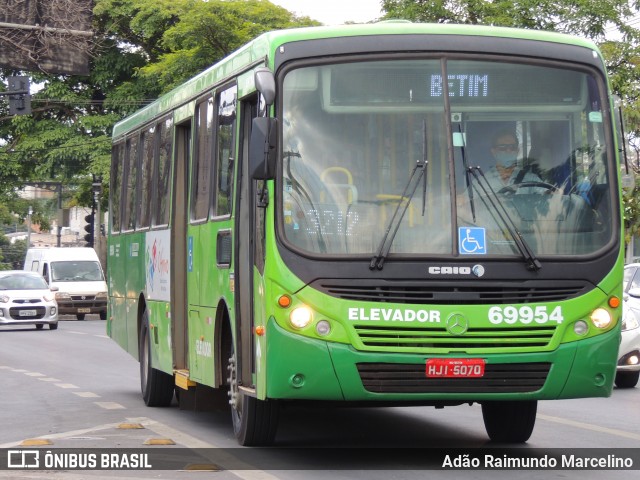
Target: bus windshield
[(511, 149)]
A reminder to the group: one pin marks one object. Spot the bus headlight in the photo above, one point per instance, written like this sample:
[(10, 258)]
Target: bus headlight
[(601, 318), (300, 317)]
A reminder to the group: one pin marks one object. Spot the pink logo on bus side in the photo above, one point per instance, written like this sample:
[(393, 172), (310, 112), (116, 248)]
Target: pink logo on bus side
[(157, 252)]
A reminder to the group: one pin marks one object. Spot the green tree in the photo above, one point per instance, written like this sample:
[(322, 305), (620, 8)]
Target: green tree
[(12, 254), (585, 17), (180, 38)]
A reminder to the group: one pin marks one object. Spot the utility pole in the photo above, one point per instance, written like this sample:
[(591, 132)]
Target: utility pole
[(29, 213)]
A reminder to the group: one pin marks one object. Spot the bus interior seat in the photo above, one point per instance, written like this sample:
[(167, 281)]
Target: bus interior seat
[(387, 200), (340, 192)]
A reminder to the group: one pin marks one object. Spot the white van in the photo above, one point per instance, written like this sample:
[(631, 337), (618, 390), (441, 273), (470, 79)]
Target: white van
[(77, 273)]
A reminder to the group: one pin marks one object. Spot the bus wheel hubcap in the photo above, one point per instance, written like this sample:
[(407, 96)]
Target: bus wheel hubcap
[(233, 382)]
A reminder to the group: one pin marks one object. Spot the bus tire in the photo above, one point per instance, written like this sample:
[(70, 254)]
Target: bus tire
[(509, 421), (80, 316), (157, 387), (255, 421)]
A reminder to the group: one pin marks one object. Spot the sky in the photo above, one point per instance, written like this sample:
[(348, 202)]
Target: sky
[(334, 12)]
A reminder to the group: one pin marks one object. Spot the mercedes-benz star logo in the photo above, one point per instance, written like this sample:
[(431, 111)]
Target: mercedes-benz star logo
[(457, 324)]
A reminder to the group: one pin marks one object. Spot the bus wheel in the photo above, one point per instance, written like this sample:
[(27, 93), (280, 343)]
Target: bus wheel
[(103, 315), (509, 421), (157, 387), (80, 316), (254, 421)]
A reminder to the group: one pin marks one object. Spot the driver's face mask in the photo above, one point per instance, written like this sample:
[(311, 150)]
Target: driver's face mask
[(506, 159)]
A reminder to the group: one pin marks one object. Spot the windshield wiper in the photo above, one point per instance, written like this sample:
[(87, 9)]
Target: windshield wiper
[(468, 175), (532, 261), (394, 223), (424, 164)]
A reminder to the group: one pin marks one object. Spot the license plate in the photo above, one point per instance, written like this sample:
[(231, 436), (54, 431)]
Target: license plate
[(455, 367), (84, 310), (28, 313)]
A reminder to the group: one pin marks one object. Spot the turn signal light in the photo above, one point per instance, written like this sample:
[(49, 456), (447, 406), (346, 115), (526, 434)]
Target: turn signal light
[(284, 301)]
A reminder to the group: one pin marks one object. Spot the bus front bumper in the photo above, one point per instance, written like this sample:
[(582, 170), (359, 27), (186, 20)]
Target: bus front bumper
[(298, 367)]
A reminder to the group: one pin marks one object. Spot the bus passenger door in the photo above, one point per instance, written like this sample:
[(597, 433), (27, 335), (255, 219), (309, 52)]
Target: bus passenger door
[(247, 234), (179, 217)]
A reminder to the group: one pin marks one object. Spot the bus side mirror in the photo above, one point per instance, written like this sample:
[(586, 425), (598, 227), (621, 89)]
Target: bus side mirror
[(262, 148), (265, 84)]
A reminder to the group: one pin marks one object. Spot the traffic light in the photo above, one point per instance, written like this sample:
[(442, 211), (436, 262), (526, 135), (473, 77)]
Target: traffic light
[(89, 228), (19, 98)]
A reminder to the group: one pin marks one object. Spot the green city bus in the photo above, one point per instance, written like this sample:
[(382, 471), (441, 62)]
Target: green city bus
[(311, 220)]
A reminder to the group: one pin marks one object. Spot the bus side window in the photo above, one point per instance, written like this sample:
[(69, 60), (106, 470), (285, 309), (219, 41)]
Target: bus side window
[(225, 143)]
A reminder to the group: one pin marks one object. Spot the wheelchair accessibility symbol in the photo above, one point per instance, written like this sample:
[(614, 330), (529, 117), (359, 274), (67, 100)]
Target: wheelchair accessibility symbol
[(472, 241)]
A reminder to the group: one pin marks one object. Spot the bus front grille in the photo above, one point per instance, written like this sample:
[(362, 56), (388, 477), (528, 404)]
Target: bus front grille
[(411, 378), (451, 293), (474, 339)]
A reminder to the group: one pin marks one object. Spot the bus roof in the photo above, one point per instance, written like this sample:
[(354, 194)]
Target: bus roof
[(264, 46)]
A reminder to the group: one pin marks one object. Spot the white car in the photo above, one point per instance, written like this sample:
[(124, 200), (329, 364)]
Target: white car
[(26, 299), (628, 371)]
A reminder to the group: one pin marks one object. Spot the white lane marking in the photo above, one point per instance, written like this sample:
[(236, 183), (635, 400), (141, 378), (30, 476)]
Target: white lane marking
[(66, 385), (34, 374), (110, 405), (49, 379), (77, 333), (589, 426), (86, 394), (170, 432), (72, 433)]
